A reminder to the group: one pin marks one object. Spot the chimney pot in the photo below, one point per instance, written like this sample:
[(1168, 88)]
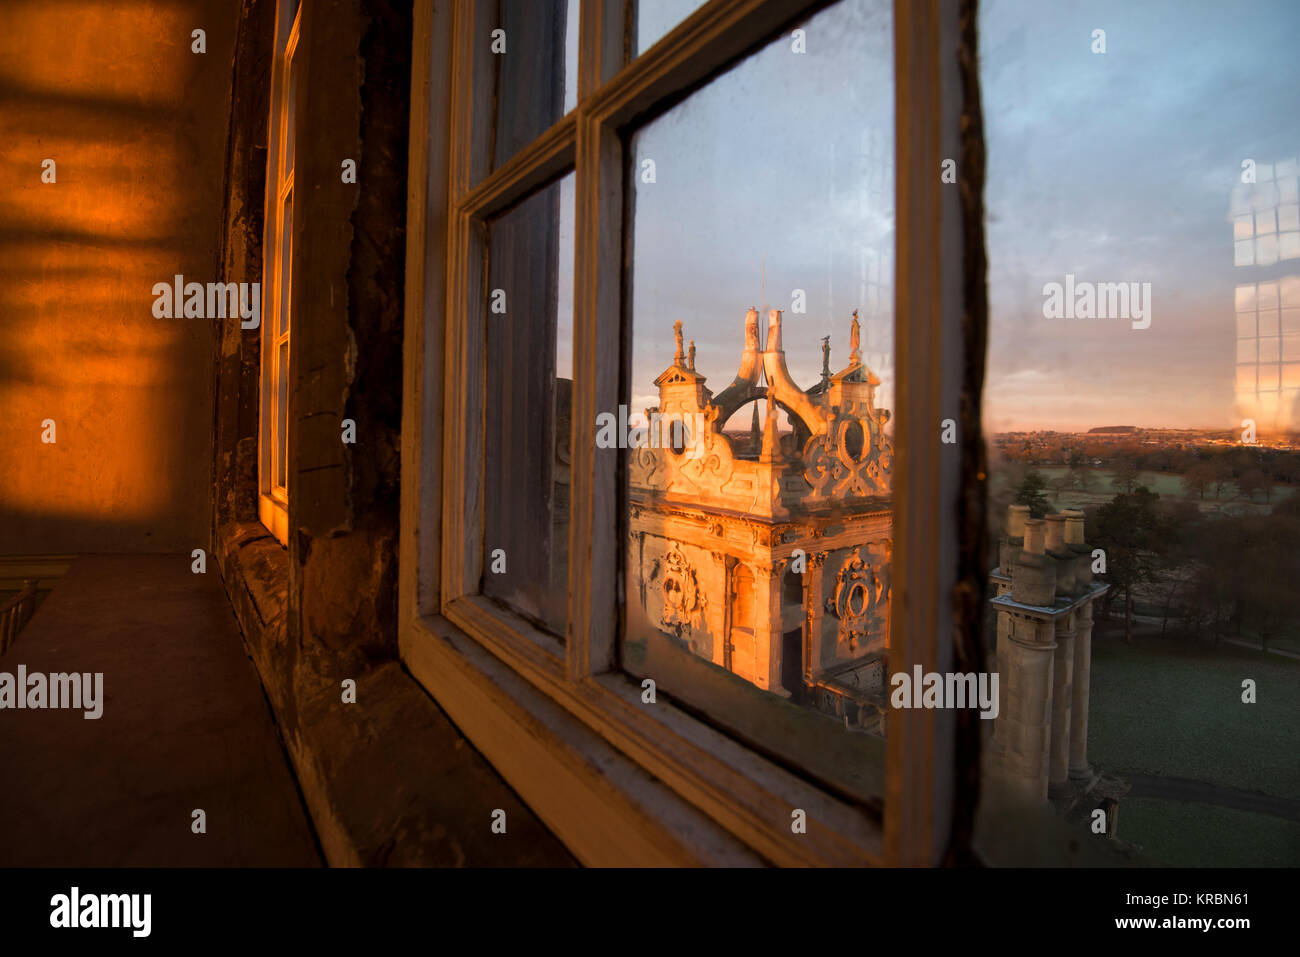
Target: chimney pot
[(1035, 529), (1056, 533), (1016, 516), (1073, 526)]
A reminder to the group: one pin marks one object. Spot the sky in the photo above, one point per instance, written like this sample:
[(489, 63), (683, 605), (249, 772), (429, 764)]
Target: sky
[(776, 177), (1112, 167), (1120, 167)]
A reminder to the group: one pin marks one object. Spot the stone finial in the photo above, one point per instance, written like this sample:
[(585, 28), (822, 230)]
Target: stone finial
[(826, 357), (751, 329), (1035, 536), (1073, 526), (774, 330), (770, 451), (677, 334), (1016, 515), (855, 340), (690, 357)]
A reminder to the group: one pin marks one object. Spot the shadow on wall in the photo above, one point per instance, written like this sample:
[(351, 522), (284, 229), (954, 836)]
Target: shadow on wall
[(135, 122)]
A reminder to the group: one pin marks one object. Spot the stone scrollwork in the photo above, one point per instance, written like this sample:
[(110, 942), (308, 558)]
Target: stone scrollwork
[(834, 472)]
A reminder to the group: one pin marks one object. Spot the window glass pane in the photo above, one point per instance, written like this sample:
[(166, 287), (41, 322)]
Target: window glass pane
[(760, 511), (290, 98), (525, 64), (529, 388), (571, 55), (282, 414), (1134, 387), (655, 19), (286, 264)]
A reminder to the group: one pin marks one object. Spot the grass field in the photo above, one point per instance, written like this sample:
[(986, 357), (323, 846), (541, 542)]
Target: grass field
[(1160, 710), (1183, 834)]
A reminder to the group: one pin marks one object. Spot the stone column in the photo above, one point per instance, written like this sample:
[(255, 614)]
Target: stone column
[(767, 628), (1024, 724), (1062, 697), (720, 584), (1079, 706), (728, 570)]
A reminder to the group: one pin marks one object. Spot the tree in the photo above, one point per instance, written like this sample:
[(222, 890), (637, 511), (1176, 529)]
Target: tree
[(1082, 479), (1252, 481), (1198, 479), (1076, 458), (1126, 475), (1134, 534), (1221, 468), (1033, 492)]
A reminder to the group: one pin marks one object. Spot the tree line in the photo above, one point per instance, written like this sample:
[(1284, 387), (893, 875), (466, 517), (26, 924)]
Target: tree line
[(1207, 575)]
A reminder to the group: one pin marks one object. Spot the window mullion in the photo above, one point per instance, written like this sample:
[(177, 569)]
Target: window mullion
[(602, 29), (930, 355)]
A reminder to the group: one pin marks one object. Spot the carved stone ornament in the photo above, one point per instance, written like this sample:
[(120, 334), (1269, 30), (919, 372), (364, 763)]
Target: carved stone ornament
[(834, 473), (682, 601), (858, 589)]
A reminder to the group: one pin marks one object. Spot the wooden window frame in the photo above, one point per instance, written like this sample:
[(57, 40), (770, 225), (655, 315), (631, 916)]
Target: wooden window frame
[(620, 782), (273, 498)]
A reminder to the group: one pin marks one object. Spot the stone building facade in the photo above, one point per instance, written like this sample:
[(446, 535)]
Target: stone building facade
[(769, 554)]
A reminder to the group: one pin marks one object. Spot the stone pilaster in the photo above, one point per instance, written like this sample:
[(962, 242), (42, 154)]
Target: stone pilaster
[(1062, 698), (722, 587), (813, 608), (1079, 707), (767, 628)]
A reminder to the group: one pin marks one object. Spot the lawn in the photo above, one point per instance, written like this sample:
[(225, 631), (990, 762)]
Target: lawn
[(1185, 834), (1159, 709)]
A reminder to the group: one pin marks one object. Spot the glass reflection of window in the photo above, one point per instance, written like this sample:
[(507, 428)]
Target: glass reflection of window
[(1266, 216)]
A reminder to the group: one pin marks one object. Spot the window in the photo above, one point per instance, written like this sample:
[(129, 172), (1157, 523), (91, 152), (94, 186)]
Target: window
[(273, 468), (526, 644), (1148, 425)]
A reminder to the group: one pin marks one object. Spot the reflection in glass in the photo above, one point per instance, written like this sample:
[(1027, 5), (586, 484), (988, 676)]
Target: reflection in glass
[(760, 451), (655, 19), (529, 388), (525, 60)]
